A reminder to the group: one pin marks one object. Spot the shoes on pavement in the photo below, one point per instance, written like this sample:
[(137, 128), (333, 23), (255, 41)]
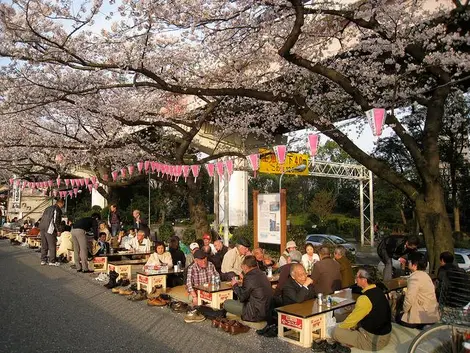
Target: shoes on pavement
[(54, 263), (336, 347), (161, 300), (264, 329), (271, 332), (194, 316), (238, 328), (179, 307), (138, 296), (319, 346), (127, 290), (43, 263), (156, 291), (226, 324)]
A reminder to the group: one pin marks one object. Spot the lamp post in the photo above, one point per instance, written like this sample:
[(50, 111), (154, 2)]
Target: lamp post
[(299, 168)]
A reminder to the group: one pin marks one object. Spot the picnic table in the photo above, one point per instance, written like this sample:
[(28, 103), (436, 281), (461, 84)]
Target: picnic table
[(100, 262), (214, 295), (149, 279)]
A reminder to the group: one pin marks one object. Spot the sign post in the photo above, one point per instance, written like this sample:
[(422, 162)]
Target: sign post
[(270, 218)]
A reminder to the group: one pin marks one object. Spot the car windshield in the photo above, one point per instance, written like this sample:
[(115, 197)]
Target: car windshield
[(336, 239)]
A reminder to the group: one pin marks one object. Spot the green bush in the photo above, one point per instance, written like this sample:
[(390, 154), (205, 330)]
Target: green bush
[(165, 232), (464, 244), (245, 231), (189, 235), (297, 234)]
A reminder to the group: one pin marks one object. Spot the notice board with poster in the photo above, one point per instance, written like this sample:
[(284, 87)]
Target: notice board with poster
[(270, 218)]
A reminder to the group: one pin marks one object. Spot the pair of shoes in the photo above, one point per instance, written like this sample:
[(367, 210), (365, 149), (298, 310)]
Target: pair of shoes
[(128, 290), (319, 346), (194, 316), (264, 329), (216, 322), (179, 307), (271, 332), (336, 347), (161, 300), (138, 295), (225, 324), (238, 328), (43, 263), (156, 291), (54, 263), (113, 275)]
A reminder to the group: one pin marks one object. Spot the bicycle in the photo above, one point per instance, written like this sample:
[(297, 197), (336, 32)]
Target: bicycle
[(448, 335)]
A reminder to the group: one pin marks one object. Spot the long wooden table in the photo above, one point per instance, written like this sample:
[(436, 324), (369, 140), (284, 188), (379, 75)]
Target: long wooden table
[(100, 263), (215, 296), (149, 279)]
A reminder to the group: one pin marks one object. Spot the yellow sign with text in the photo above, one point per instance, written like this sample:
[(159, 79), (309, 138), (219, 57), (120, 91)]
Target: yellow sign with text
[(268, 163)]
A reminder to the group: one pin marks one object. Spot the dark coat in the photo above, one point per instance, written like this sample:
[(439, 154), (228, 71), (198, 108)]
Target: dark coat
[(218, 257), (48, 217), (393, 247), (256, 295), (295, 293), (142, 225), (178, 255)]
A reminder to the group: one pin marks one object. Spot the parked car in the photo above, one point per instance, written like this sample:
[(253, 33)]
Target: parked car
[(320, 239)]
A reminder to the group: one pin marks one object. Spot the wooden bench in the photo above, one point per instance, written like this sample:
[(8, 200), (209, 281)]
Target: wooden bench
[(299, 323), (124, 267)]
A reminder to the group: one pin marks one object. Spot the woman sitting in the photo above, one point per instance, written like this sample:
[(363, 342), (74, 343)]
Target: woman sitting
[(160, 257), (309, 258), (420, 307)]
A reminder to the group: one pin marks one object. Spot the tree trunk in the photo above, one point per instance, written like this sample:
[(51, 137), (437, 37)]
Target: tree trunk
[(456, 218), (197, 209), (435, 224)]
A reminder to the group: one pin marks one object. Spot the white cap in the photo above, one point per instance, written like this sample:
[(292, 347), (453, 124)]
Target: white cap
[(193, 246)]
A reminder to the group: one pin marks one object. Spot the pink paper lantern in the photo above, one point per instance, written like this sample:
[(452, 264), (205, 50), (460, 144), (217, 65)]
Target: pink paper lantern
[(75, 192), (280, 151), (210, 169), (123, 172), (50, 183), (140, 166), (58, 182), (229, 167), (313, 141), (90, 187), (146, 166), (11, 181), (131, 169), (67, 182), (253, 161), (376, 118), (195, 169), (186, 171), (114, 174), (93, 179), (220, 169)]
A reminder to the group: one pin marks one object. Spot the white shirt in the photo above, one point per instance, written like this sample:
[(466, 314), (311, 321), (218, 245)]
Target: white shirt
[(125, 241), (306, 260), (143, 247), (157, 259)]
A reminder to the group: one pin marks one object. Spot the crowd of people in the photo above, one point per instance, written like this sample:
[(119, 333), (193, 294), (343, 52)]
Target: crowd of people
[(301, 276)]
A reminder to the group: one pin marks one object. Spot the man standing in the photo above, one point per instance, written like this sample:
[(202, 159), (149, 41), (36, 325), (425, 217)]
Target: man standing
[(199, 273), (114, 220), (140, 224), (396, 248), (80, 240), (369, 326), (254, 295), (326, 273), (50, 227)]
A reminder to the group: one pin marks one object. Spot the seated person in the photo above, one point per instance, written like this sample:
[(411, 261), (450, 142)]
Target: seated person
[(25, 227), (66, 243), (420, 305), (298, 287), (254, 295), (258, 253), (34, 232), (177, 255), (369, 326), (446, 260), (218, 257), (326, 274), (295, 257), (139, 243), (124, 238), (231, 265), (290, 246), (103, 244), (199, 273), (160, 257), (347, 276), (309, 258)]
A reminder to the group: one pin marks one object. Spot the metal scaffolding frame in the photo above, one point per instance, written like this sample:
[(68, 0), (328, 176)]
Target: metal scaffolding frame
[(366, 190)]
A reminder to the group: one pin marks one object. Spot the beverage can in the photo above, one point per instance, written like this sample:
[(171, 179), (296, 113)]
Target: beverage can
[(175, 268), (328, 301), (270, 271), (320, 299)]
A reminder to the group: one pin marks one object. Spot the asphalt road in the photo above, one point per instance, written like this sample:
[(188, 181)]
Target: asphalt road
[(54, 309)]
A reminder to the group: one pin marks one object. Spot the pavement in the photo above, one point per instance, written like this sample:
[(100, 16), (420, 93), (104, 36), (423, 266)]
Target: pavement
[(55, 309)]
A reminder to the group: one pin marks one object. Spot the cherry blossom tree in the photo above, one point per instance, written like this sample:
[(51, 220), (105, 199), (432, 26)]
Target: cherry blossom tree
[(269, 66)]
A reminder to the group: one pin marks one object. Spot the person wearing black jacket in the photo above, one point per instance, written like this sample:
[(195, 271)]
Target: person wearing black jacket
[(141, 224), (254, 295), (50, 226), (80, 241), (218, 257), (393, 247), (114, 220), (298, 287)]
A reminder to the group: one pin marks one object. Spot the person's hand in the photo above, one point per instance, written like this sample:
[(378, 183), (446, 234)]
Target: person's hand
[(308, 282), (234, 281), (402, 260)]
